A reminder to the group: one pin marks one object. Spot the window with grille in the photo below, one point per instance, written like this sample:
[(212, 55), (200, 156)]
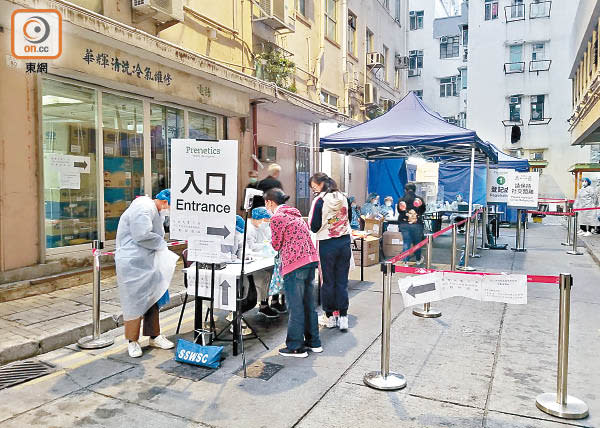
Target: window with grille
[(449, 47), (491, 9), (448, 87), (537, 107)]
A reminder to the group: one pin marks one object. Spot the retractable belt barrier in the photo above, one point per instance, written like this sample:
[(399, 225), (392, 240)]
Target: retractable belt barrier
[(557, 404), (95, 341), (427, 312)]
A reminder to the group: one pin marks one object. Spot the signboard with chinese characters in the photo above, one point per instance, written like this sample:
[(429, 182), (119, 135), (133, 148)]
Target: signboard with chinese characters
[(203, 197), (523, 189), (497, 185), (444, 285)]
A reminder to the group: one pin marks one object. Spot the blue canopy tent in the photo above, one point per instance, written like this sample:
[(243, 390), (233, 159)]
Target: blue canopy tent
[(411, 128)]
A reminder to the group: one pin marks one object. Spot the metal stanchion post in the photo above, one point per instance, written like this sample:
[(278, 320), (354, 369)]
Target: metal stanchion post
[(427, 312), (575, 251), (484, 223), (568, 242), (453, 255), (95, 341), (474, 255), (466, 266), (518, 247), (383, 379), (561, 404)]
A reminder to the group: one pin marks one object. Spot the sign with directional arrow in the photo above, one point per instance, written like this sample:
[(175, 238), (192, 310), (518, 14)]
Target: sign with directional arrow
[(225, 282), (420, 289), (204, 197)]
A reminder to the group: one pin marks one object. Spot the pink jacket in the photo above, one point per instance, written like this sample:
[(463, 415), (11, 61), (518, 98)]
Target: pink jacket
[(291, 237)]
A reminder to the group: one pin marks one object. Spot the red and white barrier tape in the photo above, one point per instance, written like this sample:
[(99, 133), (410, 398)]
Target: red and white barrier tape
[(558, 213), (540, 279), (586, 209), (95, 251)]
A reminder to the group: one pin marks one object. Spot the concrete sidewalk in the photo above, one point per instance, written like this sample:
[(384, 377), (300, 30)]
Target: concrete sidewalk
[(39, 324), (479, 365)]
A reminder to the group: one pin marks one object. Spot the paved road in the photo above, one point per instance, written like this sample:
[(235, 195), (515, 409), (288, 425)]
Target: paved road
[(480, 365)]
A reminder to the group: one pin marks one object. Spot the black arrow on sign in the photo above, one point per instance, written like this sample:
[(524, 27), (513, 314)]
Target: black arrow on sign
[(218, 231), (420, 289), (80, 164), (224, 293)]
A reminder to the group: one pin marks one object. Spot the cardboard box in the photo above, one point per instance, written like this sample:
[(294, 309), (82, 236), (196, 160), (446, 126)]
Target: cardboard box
[(371, 252), (392, 244), (374, 227)]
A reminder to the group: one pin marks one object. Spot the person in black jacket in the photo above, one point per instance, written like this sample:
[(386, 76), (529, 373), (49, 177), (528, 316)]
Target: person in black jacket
[(410, 216), (272, 180)]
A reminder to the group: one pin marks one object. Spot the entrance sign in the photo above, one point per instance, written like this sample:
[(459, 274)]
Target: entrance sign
[(497, 185), (203, 197), (523, 189), (417, 290)]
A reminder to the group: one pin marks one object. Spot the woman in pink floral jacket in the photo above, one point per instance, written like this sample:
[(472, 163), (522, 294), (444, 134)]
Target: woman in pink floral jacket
[(299, 258)]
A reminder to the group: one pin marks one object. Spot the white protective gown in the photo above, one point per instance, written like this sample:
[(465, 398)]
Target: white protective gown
[(139, 236), (587, 198)]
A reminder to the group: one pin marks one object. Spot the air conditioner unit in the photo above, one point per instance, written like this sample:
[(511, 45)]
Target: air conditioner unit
[(386, 104), (370, 94), (400, 62), (277, 14), (412, 13), (414, 72), (267, 154), (443, 39), (160, 10), (375, 60)]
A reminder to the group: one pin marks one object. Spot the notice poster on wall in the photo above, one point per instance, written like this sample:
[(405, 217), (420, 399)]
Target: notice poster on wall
[(523, 189), (497, 185), (203, 197), (428, 172)]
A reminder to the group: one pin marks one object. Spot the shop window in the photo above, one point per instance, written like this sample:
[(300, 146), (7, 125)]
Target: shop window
[(165, 123), (202, 126), (69, 146), (123, 134)]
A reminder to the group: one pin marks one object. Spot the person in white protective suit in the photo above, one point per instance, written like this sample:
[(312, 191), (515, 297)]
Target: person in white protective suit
[(140, 236), (587, 198)]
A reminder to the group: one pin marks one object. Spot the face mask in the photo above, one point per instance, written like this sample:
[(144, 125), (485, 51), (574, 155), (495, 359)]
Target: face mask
[(388, 204), (163, 213), (252, 180), (376, 202), (585, 184)]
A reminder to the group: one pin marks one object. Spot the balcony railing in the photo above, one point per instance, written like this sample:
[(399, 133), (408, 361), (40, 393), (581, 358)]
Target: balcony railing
[(542, 121), (540, 9), (414, 72), (515, 12), (540, 65), (514, 67)]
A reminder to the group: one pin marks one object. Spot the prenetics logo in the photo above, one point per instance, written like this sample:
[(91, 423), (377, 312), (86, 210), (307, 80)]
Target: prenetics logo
[(36, 34)]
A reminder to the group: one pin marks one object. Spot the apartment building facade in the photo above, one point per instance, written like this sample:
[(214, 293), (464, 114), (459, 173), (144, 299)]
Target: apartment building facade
[(518, 97), (584, 122)]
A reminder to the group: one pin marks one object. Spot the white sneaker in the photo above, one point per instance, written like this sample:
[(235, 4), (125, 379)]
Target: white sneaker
[(134, 349), (343, 323), (161, 342), (328, 322), (587, 234)]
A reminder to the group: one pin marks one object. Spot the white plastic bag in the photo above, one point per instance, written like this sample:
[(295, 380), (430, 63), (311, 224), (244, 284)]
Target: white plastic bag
[(165, 261)]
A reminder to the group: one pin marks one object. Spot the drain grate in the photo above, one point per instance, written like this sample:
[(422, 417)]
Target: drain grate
[(21, 371), (260, 370)]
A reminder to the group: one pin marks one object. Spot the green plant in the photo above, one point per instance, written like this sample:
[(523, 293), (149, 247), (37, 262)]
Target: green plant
[(272, 66)]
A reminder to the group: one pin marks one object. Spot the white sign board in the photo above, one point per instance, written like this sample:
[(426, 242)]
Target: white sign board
[(428, 172), (436, 286), (67, 163), (204, 197), (225, 287), (523, 189), (497, 185)]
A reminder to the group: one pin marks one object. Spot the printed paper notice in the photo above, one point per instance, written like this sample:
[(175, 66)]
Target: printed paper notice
[(460, 284), (69, 180), (505, 288), (421, 289)]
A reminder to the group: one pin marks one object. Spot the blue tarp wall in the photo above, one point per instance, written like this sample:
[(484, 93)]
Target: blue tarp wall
[(387, 178), (456, 180)]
